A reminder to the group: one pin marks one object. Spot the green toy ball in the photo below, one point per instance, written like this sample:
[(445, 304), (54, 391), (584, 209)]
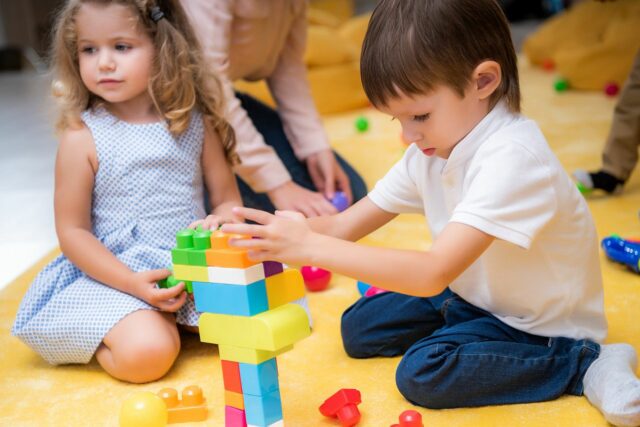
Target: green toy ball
[(561, 85), (362, 124), (144, 409)]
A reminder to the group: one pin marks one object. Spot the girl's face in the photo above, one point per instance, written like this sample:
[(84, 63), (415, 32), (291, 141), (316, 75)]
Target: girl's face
[(438, 120), (115, 55)]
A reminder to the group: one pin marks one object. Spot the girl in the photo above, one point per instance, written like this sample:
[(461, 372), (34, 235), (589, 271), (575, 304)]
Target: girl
[(141, 138)]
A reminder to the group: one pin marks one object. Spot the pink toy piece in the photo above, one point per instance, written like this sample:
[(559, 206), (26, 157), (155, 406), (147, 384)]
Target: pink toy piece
[(611, 89), (315, 278), (234, 417), (409, 418), (374, 291)]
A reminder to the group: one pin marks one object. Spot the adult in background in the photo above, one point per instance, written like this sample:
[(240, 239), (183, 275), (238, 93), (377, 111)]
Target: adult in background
[(287, 163)]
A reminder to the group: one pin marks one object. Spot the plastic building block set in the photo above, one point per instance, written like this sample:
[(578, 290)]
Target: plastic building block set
[(246, 310)]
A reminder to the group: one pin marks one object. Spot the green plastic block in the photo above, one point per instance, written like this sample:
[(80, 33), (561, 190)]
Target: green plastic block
[(171, 281), (202, 239), (184, 238), (180, 256), (197, 257)]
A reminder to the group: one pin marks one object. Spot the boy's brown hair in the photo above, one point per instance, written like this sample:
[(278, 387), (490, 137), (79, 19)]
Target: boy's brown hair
[(414, 45)]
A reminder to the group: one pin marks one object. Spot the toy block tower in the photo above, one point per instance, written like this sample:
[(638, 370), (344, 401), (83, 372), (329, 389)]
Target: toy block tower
[(246, 310)]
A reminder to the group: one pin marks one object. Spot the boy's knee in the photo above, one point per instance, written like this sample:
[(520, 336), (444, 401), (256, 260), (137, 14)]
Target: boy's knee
[(353, 334), (147, 360), (424, 383)]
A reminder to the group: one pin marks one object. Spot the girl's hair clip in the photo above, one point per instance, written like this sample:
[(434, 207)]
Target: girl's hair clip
[(156, 14)]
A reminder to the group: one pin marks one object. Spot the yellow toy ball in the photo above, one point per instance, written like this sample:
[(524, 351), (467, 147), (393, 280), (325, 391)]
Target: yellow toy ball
[(144, 409)]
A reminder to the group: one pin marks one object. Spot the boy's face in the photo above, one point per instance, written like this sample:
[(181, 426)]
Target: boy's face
[(436, 121)]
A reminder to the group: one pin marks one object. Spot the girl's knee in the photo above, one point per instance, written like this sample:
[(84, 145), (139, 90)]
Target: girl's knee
[(142, 347), (146, 360)]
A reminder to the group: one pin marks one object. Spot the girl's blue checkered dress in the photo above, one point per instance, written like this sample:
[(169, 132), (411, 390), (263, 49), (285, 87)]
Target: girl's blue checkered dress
[(148, 186)]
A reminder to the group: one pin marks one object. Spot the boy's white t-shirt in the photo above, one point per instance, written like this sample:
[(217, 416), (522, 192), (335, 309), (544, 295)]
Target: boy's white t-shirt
[(542, 273)]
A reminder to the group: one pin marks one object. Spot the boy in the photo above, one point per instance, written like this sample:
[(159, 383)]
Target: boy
[(507, 305)]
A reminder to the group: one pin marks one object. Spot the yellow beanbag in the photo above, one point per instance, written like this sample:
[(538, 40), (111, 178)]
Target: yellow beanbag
[(591, 44)]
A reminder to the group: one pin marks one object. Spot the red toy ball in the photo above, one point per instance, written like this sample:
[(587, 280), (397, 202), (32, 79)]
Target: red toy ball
[(409, 418), (611, 89), (548, 64), (315, 278)]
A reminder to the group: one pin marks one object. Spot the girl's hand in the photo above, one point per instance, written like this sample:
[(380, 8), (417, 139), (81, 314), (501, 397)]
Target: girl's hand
[(283, 237), (211, 222), (144, 285)]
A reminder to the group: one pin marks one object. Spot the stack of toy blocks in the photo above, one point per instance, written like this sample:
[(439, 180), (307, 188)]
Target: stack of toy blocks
[(246, 310)]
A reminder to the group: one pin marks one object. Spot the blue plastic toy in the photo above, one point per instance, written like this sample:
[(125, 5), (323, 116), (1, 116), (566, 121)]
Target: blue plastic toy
[(340, 201), (363, 287), (625, 252)]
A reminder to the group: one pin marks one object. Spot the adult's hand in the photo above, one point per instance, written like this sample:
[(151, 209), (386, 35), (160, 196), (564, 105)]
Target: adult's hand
[(327, 174), (292, 197)]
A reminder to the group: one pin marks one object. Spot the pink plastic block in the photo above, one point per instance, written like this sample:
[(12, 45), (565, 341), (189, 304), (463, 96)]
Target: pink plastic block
[(234, 417)]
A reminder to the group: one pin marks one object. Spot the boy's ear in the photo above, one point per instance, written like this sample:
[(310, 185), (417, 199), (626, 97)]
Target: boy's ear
[(486, 78)]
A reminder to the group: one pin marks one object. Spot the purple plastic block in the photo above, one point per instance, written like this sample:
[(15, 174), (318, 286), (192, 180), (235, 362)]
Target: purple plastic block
[(271, 268)]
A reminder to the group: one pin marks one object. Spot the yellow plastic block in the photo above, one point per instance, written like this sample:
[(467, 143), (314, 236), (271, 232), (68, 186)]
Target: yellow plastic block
[(284, 287), (249, 355), (231, 398), (191, 273), (230, 258), (272, 330)]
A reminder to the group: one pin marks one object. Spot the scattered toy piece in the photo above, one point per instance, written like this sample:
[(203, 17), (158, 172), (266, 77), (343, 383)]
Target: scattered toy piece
[(343, 405), (144, 409)]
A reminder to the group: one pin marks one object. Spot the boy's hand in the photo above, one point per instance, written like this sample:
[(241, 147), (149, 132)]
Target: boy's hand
[(283, 237), (144, 285), (211, 222)]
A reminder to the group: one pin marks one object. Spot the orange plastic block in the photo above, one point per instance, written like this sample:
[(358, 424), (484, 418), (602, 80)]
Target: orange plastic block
[(233, 399), (220, 240), (284, 287), (231, 376), (191, 408), (230, 258)]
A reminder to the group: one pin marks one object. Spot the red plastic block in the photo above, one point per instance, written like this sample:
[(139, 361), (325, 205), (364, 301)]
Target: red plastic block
[(409, 419), (343, 405), (231, 376)]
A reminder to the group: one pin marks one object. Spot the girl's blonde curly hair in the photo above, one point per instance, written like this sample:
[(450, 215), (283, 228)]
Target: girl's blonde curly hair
[(179, 82)]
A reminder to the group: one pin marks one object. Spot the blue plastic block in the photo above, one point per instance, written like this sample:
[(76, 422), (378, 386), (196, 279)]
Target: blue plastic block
[(238, 300), (262, 410), (363, 287), (261, 379)]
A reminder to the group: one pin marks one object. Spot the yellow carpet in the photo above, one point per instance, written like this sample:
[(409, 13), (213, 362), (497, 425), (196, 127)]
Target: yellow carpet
[(33, 393)]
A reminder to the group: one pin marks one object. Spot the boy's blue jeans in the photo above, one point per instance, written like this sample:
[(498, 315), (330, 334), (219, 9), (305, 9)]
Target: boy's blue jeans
[(268, 123), (457, 355)]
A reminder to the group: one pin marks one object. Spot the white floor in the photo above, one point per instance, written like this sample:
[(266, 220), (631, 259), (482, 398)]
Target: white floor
[(27, 156)]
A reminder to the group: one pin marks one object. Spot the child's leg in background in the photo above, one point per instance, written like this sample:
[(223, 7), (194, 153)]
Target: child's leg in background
[(388, 324), (621, 150), (620, 154), (141, 347)]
